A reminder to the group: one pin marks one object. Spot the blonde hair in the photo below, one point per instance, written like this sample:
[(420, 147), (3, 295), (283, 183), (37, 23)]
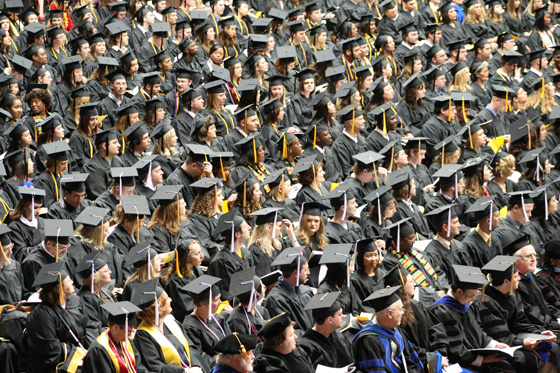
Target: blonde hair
[(141, 274), (161, 146), (75, 103), (503, 165), (473, 185), (316, 45), (530, 9), (305, 238), (510, 8), (262, 237), (535, 100), (167, 217), (92, 235), (471, 18), (460, 81)]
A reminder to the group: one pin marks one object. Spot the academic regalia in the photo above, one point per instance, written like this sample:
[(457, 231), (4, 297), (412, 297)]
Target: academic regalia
[(510, 228), (169, 164), (83, 149), (450, 34), (48, 338), (205, 334), (351, 304), (123, 241), (244, 322), (336, 233), (418, 221), (334, 351), (12, 287), (163, 240), (100, 358), (51, 184), (308, 194), (25, 237), (99, 179), (67, 212), (530, 294), (181, 177), (483, 95), (92, 302), (377, 141), (550, 288), (285, 298), (388, 346), (344, 148), (290, 211), (148, 340), (137, 37), (477, 251), (35, 260), (371, 228), (182, 301), (226, 263), (364, 285), (444, 258), (110, 107), (262, 260), (515, 25), (390, 27), (145, 54), (332, 169), (142, 189), (296, 361), (62, 98), (107, 200), (202, 227), (461, 205), (303, 111)]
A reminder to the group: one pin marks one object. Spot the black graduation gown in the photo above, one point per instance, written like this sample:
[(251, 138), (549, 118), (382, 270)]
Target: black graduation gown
[(225, 264), (437, 130), (332, 169), (262, 260), (57, 211), (418, 221), (510, 229), (98, 360), (478, 251), (269, 361), (499, 125), (334, 351), (137, 38), (145, 53), (107, 200), (62, 98), (364, 285), (225, 122), (388, 26), (47, 335), (530, 294), (290, 212), (51, 186), (152, 355), (244, 322), (308, 194), (483, 95), (99, 179), (123, 241), (349, 301), (82, 148), (337, 234), (93, 302), (203, 339), (376, 141), (12, 287), (284, 298), (443, 258), (344, 148), (450, 34), (37, 258), (302, 109), (25, 237), (182, 301), (181, 177)]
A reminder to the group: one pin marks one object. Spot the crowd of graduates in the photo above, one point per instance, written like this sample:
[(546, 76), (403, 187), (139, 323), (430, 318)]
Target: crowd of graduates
[(279, 186)]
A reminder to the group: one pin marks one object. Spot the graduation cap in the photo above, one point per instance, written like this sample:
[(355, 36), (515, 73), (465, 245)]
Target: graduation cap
[(457, 67), (380, 196), (35, 195), (399, 179), (338, 254), (511, 56), (536, 158), (502, 92), (483, 208), (13, 5), (516, 244), (206, 185), (126, 175), (520, 198), (396, 276), (501, 267), (215, 86), (448, 145), (199, 153), (289, 259), (229, 223), (249, 145), (413, 82), (363, 71), (105, 136), (117, 74), (74, 182), (136, 131), (21, 64), (276, 179), (5, 240), (383, 298), (399, 230), (257, 41), (244, 285), (467, 277), (59, 231), (305, 74), (350, 112), (121, 313), (261, 25), (89, 110), (89, 265), (318, 30), (51, 275), (151, 78), (146, 293), (36, 29), (296, 25), (449, 173), (268, 215), (340, 197), (236, 344), (442, 214), (287, 53), (119, 6), (72, 62), (324, 303), (541, 198), (221, 160), (57, 150), (203, 288), (335, 74), (275, 326), (54, 32), (168, 194)]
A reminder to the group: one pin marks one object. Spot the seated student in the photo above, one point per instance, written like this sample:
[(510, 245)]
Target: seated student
[(367, 275), (339, 229), (234, 256), (278, 189), (124, 181), (160, 340), (73, 203), (427, 337), (247, 316), (502, 317), (129, 217), (26, 225), (337, 259), (546, 277), (108, 146), (289, 294), (367, 175), (188, 258), (95, 274), (320, 137), (168, 220), (113, 350), (55, 165), (383, 208), (535, 306), (204, 326), (52, 249), (12, 289), (444, 250), (462, 324), (431, 280), (266, 242), (310, 176), (352, 142), (323, 343), (280, 349), (380, 345), (150, 175), (235, 353), (482, 244), (147, 262)]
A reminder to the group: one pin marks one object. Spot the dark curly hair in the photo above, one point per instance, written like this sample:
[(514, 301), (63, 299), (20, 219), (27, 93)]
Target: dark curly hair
[(41, 94)]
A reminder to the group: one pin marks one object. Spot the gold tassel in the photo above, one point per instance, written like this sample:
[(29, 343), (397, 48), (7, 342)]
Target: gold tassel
[(222, 168), (375, 172), (470, 137), (511, 281), (443, 155), (177, 264), (542, 88), (353, 117), (384, 124), (392, 157), (482, 296), (100, 230), (449, 112), (314, 138), (463, 108), (205, 160), (284, 147), (244, 193), (281, 188), (178, 209), (255, 150), (6, 259), (56, 255)]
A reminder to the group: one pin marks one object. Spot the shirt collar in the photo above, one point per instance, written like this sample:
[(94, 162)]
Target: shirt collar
[(443, 241), (355, 139), (485, 236), (536, 71)]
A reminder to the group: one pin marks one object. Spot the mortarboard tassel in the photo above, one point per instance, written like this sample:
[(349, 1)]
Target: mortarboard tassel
[(511, 281), (314, 136), (177, 266), (222, 168), (384, 124), (6, 259), (57, 233)]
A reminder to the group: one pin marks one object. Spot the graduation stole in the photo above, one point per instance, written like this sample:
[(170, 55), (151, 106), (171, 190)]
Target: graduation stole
[(6, 209), (261, 173), (170, 353), (385, 336), (417, 274), (452, 303), (124, 363)]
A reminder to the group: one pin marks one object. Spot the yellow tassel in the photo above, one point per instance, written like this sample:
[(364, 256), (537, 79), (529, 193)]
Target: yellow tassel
[(284, 147), (384, 124), (511, 281), (392, 157), (60, 289), (244, 193), (6, 259), (281, 188), (449, 113), (375, 172), (314, 138), (470, 137), (482, 296), (222, 168), (205, 160), (463, 108), (542, 88), (353, 117), (56, 255), (255, 150), (177, 264), (178, 209), (443, 155)]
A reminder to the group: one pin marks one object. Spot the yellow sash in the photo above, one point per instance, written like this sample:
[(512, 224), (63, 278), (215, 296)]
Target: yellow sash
[(103, 340), (169, 351)]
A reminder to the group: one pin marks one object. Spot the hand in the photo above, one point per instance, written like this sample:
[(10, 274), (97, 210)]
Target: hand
[(193, 370), (507, 138), (429, 188), (292, 130), (442, 293), (288, 225), (492, 359), (207, 167), (502, 345), (444, 362), (529, 344), (380, 244), (232, 198), (329, 15), (382, 171), (551, 334)]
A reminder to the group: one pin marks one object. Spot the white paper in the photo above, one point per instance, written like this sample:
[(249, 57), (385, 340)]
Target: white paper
[(455, 368), (325, 369), (295, 189), (359, 210), (421, 245), (509, 350)]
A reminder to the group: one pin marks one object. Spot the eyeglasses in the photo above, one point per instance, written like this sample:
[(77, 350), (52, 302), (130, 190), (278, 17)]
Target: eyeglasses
[(528, 256), (409, 239)]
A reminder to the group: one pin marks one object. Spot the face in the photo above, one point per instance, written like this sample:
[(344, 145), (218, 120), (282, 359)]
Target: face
[(8, 250), (75, 198), (196, 255), (398, 313), (67, 287), (440, 58), (387, 71), (552, 205), (313, 224), (16, 109), (289, 344), (46, 78), (308, 85), (216, 301), (157, 176), (388, 93), (58, 132), (100, 49), (25, 139), (104, 275), (41, 57), (182, 206), (527, 261), (439, 83), (407, 242), (409, 285), (299, 36), (371, 260), (484, 74), (485, 52), (219, 7), (217, 57), (466, 296)]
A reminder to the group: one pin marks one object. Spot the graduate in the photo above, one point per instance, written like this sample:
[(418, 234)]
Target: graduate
[(168, 220), (12, 287), (107, 146), (74, 202), (113, 351), (280, 349), (247, 317), (382, 339), (351, 142), (462, 324), (129, 217), (123, 183), (234, 256), (339, 229), (150, 175), (56, 164), (235, 353), (26, 225)]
